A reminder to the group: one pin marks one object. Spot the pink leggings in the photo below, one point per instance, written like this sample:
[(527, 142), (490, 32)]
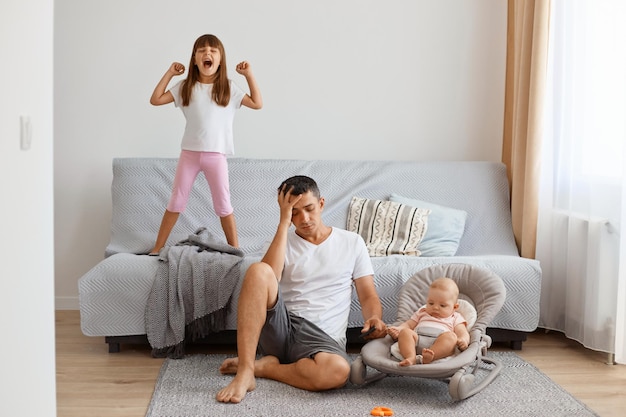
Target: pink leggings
[(215, 168)]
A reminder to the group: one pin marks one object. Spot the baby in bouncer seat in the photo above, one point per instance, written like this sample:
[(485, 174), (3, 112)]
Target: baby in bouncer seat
[(437, 328)]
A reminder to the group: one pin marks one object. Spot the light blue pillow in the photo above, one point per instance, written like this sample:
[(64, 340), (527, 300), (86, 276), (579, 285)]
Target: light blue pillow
[(445, 227)]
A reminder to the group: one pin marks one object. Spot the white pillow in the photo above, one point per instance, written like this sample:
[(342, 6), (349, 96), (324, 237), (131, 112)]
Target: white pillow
[(445, 227), (468, 311), (387, 227)]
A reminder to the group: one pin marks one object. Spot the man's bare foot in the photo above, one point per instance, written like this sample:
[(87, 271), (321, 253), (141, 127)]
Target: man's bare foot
[(427, 355), (244, 381), (229, 366), (234, 392)]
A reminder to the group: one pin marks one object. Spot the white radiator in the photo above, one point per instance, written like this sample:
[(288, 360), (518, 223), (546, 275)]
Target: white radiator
[(581, 275)]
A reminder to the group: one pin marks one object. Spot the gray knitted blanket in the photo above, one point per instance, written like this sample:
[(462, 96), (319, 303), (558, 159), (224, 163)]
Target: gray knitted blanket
[(191, 292)]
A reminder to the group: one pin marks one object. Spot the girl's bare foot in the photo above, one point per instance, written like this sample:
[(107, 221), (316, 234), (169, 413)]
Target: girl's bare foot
[(427, 355)]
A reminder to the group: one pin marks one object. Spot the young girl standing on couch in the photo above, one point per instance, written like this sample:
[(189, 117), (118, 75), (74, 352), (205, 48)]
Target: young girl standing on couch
[(209, 100)]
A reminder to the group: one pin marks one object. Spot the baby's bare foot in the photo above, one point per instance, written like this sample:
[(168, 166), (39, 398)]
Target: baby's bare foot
[(427, 355), (407, 362), (411, 360)]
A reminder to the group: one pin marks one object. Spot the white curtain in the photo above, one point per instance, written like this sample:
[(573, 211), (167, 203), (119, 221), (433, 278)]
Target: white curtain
[(582, 204)]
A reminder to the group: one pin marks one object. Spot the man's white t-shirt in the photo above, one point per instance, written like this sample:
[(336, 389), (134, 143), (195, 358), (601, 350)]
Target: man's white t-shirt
[(209, 126), (316, 283)]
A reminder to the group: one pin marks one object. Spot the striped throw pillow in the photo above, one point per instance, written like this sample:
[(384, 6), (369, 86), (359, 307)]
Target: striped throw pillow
[(387, 227)]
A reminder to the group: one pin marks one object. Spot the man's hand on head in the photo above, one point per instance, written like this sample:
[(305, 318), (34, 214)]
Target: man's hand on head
[(286, 201)]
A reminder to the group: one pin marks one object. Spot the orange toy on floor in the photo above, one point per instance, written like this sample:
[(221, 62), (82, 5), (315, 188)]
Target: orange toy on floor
[(381, 411)]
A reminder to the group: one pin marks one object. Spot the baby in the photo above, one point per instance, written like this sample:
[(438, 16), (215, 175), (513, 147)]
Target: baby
[(437, 328)]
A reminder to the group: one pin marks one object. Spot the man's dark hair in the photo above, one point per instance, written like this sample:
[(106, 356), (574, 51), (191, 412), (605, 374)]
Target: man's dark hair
[(300, 184)]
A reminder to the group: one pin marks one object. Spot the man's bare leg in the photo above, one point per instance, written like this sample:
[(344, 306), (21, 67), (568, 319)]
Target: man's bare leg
[(258, 293), (325, 371)]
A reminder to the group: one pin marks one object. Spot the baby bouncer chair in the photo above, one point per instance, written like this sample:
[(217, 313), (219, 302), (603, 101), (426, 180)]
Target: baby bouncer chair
[(481, 295)]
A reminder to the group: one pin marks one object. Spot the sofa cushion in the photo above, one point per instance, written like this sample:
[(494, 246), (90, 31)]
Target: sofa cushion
[(445, 227), (388, 228), (141, 188)]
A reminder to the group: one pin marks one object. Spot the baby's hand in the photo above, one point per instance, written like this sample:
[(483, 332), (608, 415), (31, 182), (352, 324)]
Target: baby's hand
[(176, 68), (462, 344), (393, 332), (243, 68)]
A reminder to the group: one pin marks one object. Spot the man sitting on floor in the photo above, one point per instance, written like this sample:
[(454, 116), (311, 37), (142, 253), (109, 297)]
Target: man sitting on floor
[(294, 304)]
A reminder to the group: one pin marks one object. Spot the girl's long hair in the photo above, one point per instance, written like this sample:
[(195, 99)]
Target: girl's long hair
[(221, 87)]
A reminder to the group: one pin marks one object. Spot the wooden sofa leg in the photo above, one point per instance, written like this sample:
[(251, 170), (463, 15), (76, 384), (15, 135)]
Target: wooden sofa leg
[(115, 342), (114, 347), (512, 338)]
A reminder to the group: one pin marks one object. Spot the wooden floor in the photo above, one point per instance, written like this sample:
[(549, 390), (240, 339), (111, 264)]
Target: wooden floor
[(92, 382)]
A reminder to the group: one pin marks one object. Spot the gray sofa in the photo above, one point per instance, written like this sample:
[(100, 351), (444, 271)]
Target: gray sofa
[(114, 292)]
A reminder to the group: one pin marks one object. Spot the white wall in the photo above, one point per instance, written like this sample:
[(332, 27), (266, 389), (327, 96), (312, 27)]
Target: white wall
[(26, 220), (351, 79)]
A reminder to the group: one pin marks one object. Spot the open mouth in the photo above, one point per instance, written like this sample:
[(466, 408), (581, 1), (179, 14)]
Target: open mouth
[(207, 63)]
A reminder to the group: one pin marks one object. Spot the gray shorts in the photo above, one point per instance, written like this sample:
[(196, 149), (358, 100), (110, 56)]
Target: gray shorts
[(290, 337)]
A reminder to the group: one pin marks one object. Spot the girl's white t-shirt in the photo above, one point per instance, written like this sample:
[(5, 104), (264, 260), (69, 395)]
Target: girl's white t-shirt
[(316, 283), (209, 126)]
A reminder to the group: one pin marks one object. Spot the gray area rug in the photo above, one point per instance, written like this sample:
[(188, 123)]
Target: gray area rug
[(187, 387)]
